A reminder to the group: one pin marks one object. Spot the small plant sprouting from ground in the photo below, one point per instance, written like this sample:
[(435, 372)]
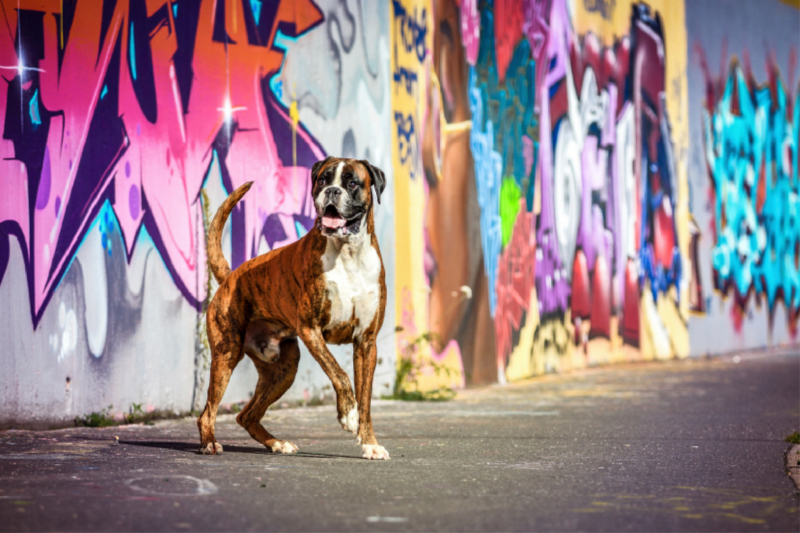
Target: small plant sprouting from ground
[(101, 419), (409, 367), (794, 438), (135, 415), (314, 401), (134, 411)]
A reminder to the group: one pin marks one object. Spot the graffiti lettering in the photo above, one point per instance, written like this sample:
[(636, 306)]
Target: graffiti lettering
[(596, 181), (751, 149), (121, 106), (412, 29), (407, 141), (405, 78)]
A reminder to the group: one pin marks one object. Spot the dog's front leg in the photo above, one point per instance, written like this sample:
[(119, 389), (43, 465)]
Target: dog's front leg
[(365, 357), (346, 406)]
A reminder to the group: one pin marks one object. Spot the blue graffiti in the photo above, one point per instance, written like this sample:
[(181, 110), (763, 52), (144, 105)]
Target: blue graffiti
[(255, 5), (752, 155), (132, 53), (106, 224), (406, 77), (36, 117), (412, 29), (488, 176), (502, 116), (283, 43), (509, 105), (661, 277), (406, 141)]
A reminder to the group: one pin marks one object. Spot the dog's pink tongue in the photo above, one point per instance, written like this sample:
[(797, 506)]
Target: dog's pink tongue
[(333, 222)]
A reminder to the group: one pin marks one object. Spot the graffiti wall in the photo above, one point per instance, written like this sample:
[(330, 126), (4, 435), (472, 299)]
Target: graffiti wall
[(125, 124), (745, 128), (547, 220), (572, 182)]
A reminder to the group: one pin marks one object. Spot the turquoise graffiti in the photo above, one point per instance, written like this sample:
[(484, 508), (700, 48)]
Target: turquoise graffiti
[(751, 144)]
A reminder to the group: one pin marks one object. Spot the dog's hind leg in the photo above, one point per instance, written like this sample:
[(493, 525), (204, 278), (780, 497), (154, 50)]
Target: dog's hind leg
[(222, 365), (274, 379)]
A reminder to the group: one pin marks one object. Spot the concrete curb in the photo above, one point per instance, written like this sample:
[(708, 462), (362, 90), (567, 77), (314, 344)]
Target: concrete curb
[(793, 464)]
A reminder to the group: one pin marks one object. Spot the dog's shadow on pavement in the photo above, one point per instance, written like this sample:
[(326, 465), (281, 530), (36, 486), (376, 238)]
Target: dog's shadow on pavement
[(193, 448)]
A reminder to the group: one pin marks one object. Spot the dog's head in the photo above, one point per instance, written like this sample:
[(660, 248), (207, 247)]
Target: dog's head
[(342, 192)]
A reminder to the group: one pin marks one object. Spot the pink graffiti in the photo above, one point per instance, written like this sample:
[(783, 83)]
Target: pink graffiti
[(157, 173), (470, 29)]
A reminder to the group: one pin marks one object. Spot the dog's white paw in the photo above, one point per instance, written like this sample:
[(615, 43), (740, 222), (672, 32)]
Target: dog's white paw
[(283, 446), (212, 448), (350, 421), (374, 451)]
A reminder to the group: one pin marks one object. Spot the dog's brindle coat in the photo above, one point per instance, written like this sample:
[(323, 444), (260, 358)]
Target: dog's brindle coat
[(327, 287)]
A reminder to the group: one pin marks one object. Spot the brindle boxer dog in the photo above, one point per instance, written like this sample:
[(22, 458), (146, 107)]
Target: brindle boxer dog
[(328, 287)]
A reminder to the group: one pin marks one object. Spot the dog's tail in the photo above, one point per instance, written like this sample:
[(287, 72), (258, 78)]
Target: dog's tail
[(219, 266)]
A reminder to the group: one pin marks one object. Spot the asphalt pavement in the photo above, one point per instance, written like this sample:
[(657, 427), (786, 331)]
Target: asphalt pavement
[(675, 446)]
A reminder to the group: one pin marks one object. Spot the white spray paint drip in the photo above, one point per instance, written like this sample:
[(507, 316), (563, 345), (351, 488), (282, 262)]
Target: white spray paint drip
[(92, 257), (68, 323), (54, 342)]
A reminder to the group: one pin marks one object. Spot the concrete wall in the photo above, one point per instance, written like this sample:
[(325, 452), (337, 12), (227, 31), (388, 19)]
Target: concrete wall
[(120, 114), (571, 182)]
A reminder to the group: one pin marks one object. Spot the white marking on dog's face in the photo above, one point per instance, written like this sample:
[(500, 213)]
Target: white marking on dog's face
[(374, 451), (335, 183), (349, 422), (337, 177)]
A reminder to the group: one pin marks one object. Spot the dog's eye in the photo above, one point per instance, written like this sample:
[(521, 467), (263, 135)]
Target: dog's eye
[(352, 185)]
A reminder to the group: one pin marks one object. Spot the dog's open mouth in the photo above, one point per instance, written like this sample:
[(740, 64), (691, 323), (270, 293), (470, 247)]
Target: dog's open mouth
[(333, 223), (331, 218)]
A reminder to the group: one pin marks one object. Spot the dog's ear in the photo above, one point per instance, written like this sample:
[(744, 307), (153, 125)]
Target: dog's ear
[(316, 168), (377, 177)]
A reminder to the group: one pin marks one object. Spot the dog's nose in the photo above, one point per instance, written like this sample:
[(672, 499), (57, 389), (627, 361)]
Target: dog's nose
[(333, 192)]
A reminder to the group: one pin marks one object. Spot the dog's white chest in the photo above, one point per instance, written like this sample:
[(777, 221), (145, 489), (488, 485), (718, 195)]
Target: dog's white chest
[(353, 285)]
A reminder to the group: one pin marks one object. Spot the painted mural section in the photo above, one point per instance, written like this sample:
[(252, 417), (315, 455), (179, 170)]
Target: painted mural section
[(119, 117), (745, 126), (547, 224), (572, 182), (424, 308)]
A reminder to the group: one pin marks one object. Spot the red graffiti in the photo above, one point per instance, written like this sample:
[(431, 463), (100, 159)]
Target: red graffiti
[(507, 33), (515, 274)]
